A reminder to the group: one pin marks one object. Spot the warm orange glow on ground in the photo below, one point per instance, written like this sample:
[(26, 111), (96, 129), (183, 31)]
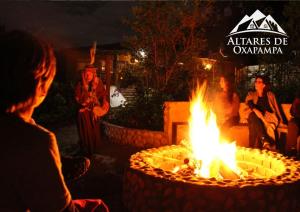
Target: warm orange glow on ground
[(211, 154)]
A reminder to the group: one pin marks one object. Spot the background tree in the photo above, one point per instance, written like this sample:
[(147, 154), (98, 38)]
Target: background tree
[(292, 15), (170, 33)]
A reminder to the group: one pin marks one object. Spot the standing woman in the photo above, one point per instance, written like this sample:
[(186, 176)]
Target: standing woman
[(91, 96), (226, 104), (263, 114)]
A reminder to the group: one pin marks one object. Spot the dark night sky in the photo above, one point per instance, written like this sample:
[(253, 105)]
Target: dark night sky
[(74, 23), (68, 24)]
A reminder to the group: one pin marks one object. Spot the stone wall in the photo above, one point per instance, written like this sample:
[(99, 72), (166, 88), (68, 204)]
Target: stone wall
[(273, 183), (136, 137), (176, 116), (146, 193)]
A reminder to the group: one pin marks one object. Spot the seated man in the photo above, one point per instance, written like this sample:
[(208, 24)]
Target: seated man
[(293, 128), (31, 177)]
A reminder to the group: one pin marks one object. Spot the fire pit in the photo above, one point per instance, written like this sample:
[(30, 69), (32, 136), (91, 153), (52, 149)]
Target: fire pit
[(207, 173), (273, 183)]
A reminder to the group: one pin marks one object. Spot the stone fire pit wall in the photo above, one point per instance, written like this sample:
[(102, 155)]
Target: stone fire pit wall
[(174, 113), (136, 137), (149, 188)]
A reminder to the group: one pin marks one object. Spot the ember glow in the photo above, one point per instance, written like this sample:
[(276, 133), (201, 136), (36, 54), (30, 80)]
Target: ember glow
[(211, 154), (206, 173)]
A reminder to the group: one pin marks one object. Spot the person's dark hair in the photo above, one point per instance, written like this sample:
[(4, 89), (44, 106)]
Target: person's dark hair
[(229, 79), (266, 81), (25, 61)]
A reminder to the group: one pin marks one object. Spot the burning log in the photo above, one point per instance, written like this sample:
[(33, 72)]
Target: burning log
[(205, 173), (227, 173), (273, 183)]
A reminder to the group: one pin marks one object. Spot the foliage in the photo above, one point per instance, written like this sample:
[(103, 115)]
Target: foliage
[(284, 81), (130, 76), (146, 112), (180, 85), (59, 106), (286, 94), (170, 33), (291, 12)]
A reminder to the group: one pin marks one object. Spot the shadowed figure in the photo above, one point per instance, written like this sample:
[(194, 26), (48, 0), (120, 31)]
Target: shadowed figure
[(263, 115), (31, 177), (293, 127), (226, 104), (91, 96)]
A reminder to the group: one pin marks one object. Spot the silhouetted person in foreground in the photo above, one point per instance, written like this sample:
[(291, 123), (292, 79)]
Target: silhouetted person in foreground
[(31, 178)]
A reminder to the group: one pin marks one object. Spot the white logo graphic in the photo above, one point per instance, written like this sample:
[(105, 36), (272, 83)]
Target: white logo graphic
[(257, 22)]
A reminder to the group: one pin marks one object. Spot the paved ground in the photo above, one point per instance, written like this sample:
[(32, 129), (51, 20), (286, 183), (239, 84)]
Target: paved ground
[(104, 178)]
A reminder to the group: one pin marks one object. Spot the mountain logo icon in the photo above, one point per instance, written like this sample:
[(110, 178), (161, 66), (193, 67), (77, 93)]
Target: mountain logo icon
[(257, 22)]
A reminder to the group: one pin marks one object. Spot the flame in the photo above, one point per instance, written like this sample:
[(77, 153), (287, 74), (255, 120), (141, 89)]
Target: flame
[(212, 154)]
